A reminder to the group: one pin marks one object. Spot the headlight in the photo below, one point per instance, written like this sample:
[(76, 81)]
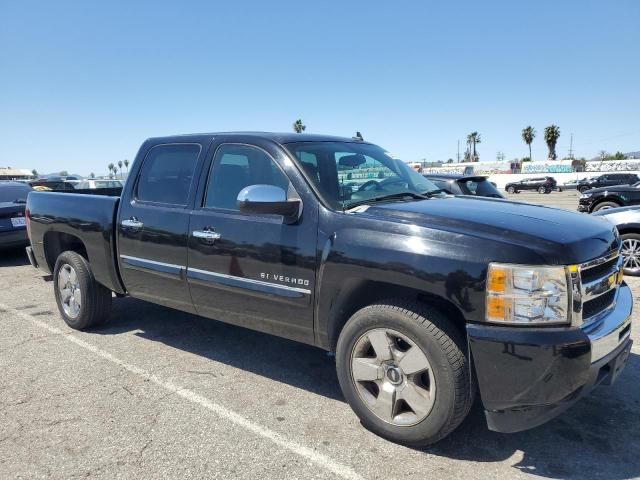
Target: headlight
[(527, 295), (586, 195)]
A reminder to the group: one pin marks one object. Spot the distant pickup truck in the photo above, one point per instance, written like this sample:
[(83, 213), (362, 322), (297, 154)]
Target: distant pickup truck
[(424, 297)]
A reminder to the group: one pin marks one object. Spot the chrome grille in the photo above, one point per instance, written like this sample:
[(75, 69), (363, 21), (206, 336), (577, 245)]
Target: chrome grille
[(598, 285)]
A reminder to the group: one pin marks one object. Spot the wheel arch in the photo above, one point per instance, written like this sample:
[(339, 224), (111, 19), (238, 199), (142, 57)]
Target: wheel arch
[(611, 199), (357, 294), (57, 242)]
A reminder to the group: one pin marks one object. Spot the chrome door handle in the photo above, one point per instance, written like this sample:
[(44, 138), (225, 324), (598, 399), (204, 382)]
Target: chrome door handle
[(207, 236), (133, 223)]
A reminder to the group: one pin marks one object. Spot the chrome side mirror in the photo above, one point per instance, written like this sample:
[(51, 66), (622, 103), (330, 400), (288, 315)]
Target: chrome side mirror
[(269, 200)]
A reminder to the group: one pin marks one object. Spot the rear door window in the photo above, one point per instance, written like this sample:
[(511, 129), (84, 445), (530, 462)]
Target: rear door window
[(167, 174)]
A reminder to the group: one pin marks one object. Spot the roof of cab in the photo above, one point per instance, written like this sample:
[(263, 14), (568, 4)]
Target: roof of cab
[(273, 136)]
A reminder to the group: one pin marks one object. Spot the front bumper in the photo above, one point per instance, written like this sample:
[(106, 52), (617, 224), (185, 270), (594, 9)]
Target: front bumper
[(584, 206), (529, 375)]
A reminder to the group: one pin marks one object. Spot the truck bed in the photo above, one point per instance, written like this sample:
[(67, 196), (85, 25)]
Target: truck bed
[(88, 219)]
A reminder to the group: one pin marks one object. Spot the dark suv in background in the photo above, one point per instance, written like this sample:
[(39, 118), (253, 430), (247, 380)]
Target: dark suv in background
[(464, 185), (608, 180), (541, 185)]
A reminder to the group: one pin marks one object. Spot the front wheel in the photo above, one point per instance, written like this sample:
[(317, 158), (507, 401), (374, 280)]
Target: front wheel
[(605, 206), (404, 370), (511, 190), (542, 190), (82, 302), (631, 253)]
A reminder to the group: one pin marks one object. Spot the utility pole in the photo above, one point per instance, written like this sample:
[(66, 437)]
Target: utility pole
[(571, 148), (458, 151)]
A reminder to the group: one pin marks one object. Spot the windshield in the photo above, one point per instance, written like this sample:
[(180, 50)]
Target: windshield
[(11, 192), (346, 173)]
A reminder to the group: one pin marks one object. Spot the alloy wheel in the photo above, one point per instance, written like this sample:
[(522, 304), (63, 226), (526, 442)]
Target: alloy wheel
[(69, 290), (393, 377), (631, 255)]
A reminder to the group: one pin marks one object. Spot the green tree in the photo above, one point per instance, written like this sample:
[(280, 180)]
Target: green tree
[(603, 154), (298, 126), (111, 166), (34, 172), (472, 140), (92, 175), (120, 163), (551, 135), (617, 156), (63, 173), (528, 134), (126, 165)]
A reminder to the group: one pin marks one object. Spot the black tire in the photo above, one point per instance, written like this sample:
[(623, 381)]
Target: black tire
[(583, 189), (444, 346), (542, 190), (604, 206), (95, 305), (511, 189)]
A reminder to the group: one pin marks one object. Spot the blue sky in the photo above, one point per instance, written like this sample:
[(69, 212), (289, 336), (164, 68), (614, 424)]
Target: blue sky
[(82, 84)]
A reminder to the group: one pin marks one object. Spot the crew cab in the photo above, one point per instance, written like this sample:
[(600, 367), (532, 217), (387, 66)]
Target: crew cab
[(424, 297)]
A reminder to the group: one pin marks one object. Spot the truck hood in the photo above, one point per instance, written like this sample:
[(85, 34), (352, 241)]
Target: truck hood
[(558, 236)]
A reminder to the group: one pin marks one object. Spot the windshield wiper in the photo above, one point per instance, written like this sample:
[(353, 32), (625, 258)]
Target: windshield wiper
[(391, 196)]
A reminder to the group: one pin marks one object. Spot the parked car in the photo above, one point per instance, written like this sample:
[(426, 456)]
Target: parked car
[(403, 283), (13, 198), (627, 221), (541, 185), (609, 197), (607, 180), (464, 185)]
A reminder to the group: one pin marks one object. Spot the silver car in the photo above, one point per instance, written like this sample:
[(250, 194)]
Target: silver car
[(627, 220)]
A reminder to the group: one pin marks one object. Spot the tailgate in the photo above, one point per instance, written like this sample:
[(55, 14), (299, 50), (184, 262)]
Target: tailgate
[(12, 216)]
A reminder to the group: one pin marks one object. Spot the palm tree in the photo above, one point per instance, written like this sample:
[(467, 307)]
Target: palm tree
[(473, 139), (126, 165), (111, 166), (298, 126), (528, 134), (92, 175), (120, 165), (34, 172), (551, 135)]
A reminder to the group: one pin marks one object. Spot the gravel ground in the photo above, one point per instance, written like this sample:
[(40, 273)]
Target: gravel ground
[(162, 394)]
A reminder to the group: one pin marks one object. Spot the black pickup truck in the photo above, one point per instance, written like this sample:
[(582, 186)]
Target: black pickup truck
[(425, 298)]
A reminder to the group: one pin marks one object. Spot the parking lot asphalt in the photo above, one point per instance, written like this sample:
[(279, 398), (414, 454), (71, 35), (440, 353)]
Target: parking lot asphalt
[(162, 394), (567, 199)]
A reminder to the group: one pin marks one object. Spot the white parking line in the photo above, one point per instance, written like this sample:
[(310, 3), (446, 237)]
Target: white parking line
[(306, 452)]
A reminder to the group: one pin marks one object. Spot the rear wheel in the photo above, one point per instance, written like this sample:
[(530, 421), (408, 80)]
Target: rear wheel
[(404, 370), (542, 190), (631, 253), (82, 302), (605, 206), (511, 189)]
